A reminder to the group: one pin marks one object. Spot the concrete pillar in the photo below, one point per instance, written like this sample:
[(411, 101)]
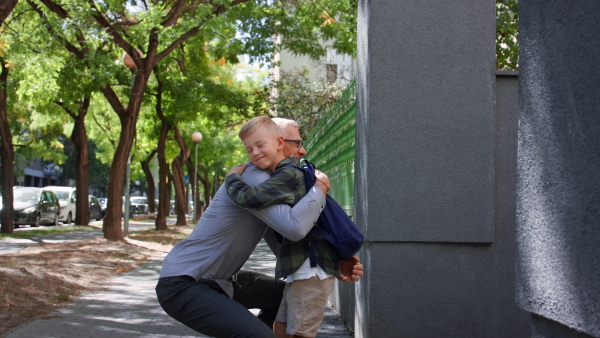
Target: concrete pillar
[(435, 173), (559, 167)]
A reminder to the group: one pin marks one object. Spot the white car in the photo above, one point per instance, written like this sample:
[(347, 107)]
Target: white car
[(66, 197), (139, 205)]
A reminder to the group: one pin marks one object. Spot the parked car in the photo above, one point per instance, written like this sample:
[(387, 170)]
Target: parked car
[(35, 206), (103, 201), (139, 205), (66, 195), (95, 208)]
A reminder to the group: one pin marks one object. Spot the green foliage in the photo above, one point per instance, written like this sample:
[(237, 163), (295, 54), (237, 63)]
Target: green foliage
[(99, 171), (507, 48), (305, 24), (103, 129), (29, 86), (220, 148), (304, 101)]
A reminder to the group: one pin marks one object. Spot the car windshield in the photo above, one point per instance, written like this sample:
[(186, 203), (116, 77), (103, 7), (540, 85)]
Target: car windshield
[(62, 195), (138, 200), (26, 195)]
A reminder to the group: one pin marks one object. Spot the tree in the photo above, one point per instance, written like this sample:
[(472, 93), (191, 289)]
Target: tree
[(121, 31), (303, 101), (7, 153), (507, 48), (22, 129)]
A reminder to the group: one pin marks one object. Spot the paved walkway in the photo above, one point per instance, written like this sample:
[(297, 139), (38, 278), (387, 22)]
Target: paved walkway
[(128, 308)]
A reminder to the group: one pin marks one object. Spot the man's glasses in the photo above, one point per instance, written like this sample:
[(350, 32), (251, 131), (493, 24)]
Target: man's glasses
[(299, 143)]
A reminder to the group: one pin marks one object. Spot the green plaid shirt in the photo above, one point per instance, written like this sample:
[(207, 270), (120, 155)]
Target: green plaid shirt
[(286, 186)]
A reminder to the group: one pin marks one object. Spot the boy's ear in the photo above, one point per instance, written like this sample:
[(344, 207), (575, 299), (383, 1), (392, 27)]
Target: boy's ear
[(280, 143)]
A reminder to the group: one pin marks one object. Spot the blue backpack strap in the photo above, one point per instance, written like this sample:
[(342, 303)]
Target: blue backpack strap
[(309, 180)]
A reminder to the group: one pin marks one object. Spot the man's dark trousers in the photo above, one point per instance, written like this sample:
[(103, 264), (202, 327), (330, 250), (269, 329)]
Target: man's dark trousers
[(204, 307), (259, 291)]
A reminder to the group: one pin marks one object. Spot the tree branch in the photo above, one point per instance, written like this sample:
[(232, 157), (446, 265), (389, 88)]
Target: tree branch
[(174, 13), (117, 38), (56, 8), (113, 100)]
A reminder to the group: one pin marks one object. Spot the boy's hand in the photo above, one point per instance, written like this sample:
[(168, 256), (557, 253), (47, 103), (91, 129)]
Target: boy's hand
[(350, 270), (320, 176), (238, 169)]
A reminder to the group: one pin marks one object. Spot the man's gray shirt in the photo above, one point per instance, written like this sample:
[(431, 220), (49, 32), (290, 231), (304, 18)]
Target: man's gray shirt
[(226, 234)]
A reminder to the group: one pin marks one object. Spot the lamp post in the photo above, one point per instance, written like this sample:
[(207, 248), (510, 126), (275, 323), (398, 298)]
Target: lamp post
[(196, 137), (57, 170)]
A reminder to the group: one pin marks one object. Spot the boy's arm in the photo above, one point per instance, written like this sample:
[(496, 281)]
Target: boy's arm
[(279, 189)]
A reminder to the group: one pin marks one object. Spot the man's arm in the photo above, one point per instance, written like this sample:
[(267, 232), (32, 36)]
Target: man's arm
[(294, 223)]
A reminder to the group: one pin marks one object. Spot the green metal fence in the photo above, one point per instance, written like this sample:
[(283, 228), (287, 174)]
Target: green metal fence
[(330, 147)]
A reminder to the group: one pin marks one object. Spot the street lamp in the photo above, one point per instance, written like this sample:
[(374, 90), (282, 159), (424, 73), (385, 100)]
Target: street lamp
[(57, 170), (196, 137)]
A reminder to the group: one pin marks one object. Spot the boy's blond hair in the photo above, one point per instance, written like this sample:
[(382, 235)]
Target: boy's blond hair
[(257, 122)]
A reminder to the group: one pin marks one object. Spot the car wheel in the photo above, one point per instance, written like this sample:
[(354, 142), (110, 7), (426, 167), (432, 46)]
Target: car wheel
[(37, 221), (69, 219)]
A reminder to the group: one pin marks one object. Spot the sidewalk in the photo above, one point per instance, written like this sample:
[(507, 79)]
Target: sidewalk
[(128, 308)]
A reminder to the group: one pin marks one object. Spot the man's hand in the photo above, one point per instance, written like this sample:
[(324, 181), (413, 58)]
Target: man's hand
[(238, 169), (350, 270)]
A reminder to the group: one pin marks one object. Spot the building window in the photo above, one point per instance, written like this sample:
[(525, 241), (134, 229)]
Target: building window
[(331, 73)]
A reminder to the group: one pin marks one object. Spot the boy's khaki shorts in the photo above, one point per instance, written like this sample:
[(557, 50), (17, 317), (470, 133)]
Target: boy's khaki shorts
[(303, 305)]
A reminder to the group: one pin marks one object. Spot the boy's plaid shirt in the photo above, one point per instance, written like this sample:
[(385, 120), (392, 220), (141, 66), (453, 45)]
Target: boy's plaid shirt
[(286, 186)]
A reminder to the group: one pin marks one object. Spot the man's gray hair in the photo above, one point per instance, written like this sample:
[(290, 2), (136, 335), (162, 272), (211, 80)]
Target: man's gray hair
[(284, 123)]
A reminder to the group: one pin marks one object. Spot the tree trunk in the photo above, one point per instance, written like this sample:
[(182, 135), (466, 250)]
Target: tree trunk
[(181, 204), (179, 183), (207, 187), (82, 167), (164, 196), (150, 180), (114, 209), (164, 189), (6, 8), (7, 152)]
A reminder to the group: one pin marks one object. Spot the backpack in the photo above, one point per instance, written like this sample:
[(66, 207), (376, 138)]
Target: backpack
[(334, 225)]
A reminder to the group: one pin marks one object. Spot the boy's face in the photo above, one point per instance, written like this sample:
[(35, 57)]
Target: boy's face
[(264, 148)]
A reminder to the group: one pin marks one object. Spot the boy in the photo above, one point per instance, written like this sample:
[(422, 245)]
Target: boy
[(307, 288)]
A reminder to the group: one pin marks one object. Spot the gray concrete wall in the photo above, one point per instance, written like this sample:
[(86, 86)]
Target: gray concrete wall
[(435, 173), (559, 167), (429, 132)]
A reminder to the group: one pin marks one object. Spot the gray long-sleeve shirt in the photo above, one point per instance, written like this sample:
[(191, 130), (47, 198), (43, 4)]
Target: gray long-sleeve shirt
[(226, 234)]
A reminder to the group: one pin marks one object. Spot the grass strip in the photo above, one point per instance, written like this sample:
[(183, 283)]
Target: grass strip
[(45, 231)]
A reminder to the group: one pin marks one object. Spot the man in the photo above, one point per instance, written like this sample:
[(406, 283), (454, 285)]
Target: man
[(196, 280)]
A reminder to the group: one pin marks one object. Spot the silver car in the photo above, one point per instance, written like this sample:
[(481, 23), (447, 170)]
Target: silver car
[(35, 206)]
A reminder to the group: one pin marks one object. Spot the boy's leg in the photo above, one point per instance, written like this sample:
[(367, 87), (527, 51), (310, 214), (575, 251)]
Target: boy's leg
[(259, 291), (205, 308), (303, 306)]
